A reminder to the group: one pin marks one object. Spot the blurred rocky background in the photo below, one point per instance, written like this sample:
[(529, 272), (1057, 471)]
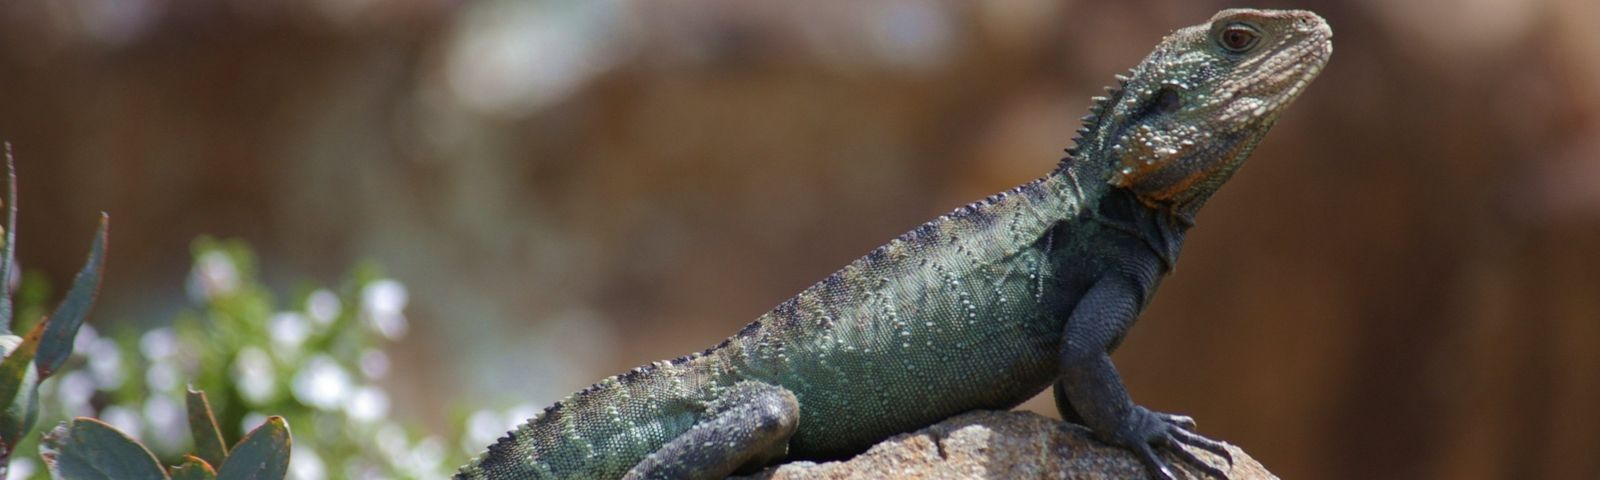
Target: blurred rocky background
[(1404, 283)]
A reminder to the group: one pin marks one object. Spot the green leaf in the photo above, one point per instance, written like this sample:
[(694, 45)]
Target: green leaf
[(263, 454), (56, 345), (203, 425), (15, 366), (19, 386), (8, 253), (89, 449), (193, 468)]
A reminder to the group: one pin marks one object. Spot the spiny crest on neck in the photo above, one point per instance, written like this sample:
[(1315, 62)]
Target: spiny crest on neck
[(1098, 106)]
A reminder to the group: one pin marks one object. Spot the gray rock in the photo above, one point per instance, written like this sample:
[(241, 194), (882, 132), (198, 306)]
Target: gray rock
[(991, 444)]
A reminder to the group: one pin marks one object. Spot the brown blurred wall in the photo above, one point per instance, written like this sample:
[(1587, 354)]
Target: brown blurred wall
[(1402, 284)]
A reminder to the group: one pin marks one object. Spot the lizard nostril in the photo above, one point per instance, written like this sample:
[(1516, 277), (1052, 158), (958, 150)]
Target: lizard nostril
[(1312, 24)]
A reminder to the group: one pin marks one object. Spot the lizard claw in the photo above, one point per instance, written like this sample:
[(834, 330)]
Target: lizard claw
[(1174, 433), (1193, 461), (1181, 421), (1188, 437), (1158, 468)]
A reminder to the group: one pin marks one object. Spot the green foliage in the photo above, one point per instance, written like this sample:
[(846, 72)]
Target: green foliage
[(62, 327), (89, 449), (85, 449), (315, 360), (208, 445), (261, 455), (193, 468), (33, 358)]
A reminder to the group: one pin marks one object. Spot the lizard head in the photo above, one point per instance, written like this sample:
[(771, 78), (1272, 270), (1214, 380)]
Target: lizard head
[(1192, 111)]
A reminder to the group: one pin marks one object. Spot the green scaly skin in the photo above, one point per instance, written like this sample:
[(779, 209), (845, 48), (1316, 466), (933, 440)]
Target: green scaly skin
[(981, 308)]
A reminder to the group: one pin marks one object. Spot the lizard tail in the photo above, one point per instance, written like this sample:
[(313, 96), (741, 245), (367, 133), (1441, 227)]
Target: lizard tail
[(600, 432)]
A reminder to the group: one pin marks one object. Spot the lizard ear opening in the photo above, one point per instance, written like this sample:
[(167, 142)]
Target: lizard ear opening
[(1168, 101)]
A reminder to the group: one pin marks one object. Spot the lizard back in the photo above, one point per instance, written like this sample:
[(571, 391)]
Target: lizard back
[(946, 304)]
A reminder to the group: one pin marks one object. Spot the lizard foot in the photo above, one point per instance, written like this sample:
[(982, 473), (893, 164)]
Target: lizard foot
[(1146, 430)]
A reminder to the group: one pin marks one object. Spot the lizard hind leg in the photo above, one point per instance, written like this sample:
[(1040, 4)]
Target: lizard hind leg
[(1064, 406), (746, 428)]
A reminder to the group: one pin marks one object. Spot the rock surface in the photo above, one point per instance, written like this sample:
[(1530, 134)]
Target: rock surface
[(991, 444)]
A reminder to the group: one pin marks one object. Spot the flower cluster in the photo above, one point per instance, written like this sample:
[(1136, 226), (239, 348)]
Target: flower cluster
[(317, 360)]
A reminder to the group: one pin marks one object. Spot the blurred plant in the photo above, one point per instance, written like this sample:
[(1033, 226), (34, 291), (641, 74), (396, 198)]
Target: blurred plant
[(315, 364), (33, 358), (89, 449)]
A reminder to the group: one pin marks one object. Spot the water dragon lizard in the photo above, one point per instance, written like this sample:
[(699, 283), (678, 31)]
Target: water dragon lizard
[(981, 308)]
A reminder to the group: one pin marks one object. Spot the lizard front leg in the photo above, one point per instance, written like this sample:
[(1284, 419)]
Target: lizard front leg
[(1090, 389), (747, 428)]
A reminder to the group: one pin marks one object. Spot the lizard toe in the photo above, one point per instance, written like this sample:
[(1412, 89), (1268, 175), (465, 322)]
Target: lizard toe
[(1147, 431), (1176, 439), (1204, 467), (1181, 421), (1158, 468), (1186, 437)]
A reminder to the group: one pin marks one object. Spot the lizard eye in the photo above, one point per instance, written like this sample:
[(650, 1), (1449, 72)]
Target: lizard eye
[(1238, 37)]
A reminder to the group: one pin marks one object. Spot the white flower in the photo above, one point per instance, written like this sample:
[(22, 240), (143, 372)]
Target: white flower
[(382, 304), (323, 306), (9, 343), (367, 404), (253, 375), (86, 337), (483, 427), (76, 388), (105, 363), (392, 442), (427, 455), (374, 363), (519, 414), (321, 383), (289, 330), (168, 425), (304, 464), (214, 274), (22, 468), (161, 377), (158, 343), (124, 419), (254, 420)]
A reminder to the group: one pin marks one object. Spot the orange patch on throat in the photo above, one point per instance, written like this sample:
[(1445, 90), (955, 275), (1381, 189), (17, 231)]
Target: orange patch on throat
[(1207, 170), (1137, 176)]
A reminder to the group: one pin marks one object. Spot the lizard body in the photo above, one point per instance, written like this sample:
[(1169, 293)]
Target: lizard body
[(981, 308)]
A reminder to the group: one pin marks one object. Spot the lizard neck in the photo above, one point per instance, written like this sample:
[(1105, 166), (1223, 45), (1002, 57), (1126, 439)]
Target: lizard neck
[(1090, 171), (1163, 232), (1161, 227)]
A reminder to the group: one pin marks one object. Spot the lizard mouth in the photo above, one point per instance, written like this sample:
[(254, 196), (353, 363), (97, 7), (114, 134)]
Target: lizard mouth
[(1300, 61)]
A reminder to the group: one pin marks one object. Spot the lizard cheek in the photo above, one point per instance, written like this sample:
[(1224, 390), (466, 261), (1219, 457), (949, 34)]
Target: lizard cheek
[(1145, 152)]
